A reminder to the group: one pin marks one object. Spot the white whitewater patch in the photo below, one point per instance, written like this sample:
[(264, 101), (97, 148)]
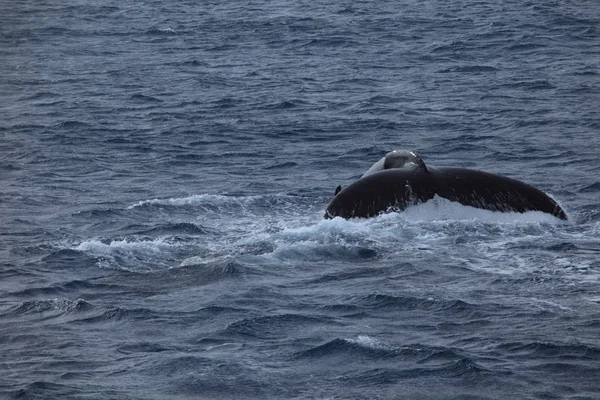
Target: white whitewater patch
[(444, 233), (97, 246), (131, 254), (431, 222), (369, 342), (443, 209), (270, 231)]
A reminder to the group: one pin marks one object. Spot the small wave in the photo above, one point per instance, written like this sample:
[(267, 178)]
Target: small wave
[(193, 62), (567, 369), (539, 84), (333, 41), (161, 31), (43, 95), (450, 307), (455, 45), (367, 341), (131, 254), (97, 213), (469, 69), (594, 187), (120, 140), (270, 327), (42, 306), (65, 256), (441, 361), (382, 99), (363, 346), (143, 347), (464, 368), (286, 104), (313, 250), (467, 367), (227, 102), (43, 389), (145, 98), (356, 273), (284, 165), (71, 124), (519, 46), (119, 314), (178, 228), (64, 288), (179, 365), (206, 271), (563, 247), (549, 350)]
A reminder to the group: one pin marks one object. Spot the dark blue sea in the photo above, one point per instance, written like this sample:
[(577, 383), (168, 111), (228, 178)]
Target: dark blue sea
[(165, 167)]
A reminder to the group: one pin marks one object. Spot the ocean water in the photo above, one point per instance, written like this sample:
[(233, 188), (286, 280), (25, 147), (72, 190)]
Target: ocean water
[(165, 167)]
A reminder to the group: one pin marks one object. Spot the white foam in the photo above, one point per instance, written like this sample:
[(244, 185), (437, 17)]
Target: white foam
[(131, 254), (279, 231), (326, 228), (443, 209), (97, 246), (368, 341), (183, 201)]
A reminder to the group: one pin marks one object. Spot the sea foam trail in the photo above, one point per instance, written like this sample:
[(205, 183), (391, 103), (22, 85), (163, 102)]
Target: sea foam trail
[(193, 199), (218, 199)]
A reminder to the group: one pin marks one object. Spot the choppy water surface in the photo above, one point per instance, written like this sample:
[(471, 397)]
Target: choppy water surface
[(165, 168)]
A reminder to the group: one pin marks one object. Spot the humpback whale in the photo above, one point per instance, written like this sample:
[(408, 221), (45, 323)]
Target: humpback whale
[(401, 179)]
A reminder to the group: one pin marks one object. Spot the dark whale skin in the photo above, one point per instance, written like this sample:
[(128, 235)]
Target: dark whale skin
[(399, 188)]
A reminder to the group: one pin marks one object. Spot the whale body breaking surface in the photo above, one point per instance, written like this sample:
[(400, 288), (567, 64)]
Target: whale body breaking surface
[(401, 179)]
